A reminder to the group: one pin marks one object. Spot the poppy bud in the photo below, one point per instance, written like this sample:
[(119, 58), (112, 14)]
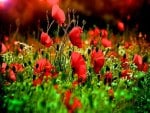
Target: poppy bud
[(120, 26)]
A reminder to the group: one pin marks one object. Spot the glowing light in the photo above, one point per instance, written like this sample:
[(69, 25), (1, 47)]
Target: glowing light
[(3, 0)]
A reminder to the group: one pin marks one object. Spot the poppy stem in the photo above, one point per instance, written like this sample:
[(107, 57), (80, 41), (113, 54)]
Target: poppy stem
[(68, 15), (48, 28)]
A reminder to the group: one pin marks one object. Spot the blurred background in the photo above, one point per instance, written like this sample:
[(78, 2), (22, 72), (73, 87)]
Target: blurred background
[(28, 13)]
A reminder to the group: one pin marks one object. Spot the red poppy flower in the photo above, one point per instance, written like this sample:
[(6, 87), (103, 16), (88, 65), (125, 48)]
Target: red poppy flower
[(111, 93), (37, 81), (108, 77), (3, 67), (58, 14), (145, 67), (104, 33), (124, 62), (138, 61), (96, 31), (3, 48), (46, 40), (94, 42), (18, 67), (12, 75), (43, 66), (53, 2), (79, 66), (97, 59), (120, 26), (127, 45), (106, 43), (76, 104), (6, 38), (125, 74), (75, 36), (91, 33), (67, 98), (112, 54)]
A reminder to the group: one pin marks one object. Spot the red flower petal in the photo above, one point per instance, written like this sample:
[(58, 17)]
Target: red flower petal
[(3, 67), (53, 2), (145, 67), (76, 104), (58, 14), (3, 48), (67, 97), (12, 75), (37, 81), (43, 65), (97, 59), (75, 36), (137, 60), (120, 26), (125, 74), (106, 43), (104, 33), (18, 67), (79, 66), (46, 40)]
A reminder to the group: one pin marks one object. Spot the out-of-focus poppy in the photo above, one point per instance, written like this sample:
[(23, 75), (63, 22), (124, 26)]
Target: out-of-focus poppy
[(125, 73), (97, 59), (120, 26), (3, 68), (94, 42), (3, 48), (46, 40), (124, 62), (103, 33), (75, 36), (111, 93), (78, 65), (94, 32), (12, 75), (108, 76), (67, 98), (43, 66), (138, 61), (6, 38), (106, 43), (58, 14), (127, 45), (53, 2), (18, 67), (145, 67), (76, 102), (37, 81)]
